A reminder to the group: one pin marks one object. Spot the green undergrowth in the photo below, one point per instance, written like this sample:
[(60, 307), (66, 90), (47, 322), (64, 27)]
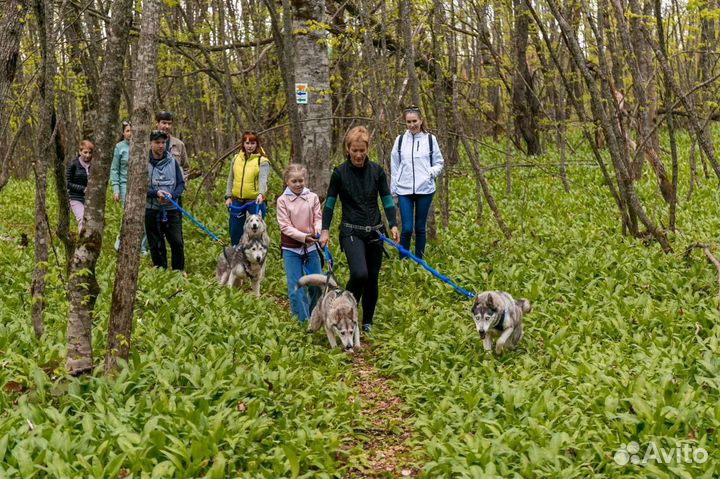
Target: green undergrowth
[(220, 384), (621, 346)]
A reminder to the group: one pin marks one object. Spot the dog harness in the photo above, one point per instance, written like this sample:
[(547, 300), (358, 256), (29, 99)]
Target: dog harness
[(500, 326)]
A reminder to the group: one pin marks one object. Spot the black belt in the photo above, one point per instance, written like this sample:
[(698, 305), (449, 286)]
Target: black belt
[(366, 229)]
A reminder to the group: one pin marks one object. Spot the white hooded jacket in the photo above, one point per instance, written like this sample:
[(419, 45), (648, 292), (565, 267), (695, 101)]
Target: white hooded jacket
[(411, 171)]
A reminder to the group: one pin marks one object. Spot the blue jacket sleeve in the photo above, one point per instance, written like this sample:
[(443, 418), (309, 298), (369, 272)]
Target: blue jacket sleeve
[(180, 181)]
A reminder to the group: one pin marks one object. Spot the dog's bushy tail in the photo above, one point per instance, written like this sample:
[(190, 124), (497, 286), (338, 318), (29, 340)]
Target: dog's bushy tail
[(524, 304), (316, 280)]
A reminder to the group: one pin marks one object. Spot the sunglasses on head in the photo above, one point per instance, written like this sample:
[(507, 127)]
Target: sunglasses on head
[(411, 108)]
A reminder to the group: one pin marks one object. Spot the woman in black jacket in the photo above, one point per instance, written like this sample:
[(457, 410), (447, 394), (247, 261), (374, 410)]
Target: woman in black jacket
[(77, 180), (357, 183)]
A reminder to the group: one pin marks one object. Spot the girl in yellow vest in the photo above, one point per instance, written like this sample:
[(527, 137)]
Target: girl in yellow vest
[(246, 182)]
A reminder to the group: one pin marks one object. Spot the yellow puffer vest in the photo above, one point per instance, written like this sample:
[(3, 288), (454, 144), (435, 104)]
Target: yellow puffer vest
[(246, 175)]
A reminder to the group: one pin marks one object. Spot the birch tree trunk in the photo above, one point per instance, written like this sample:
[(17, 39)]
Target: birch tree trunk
[(123, 298), (312, 68), (82, 285), (44, 11)]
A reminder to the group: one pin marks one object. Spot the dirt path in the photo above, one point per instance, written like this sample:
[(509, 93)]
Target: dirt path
[(389, 432)]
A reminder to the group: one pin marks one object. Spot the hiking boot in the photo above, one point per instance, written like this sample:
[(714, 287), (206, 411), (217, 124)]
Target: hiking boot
[(367, 328)]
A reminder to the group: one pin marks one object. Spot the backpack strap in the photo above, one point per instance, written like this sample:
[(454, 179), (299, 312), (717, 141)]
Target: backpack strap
[(430, 144), (399, 142)]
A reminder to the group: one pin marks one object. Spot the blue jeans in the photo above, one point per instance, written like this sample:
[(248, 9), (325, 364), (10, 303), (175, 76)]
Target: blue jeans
[(303, 300), (237, 225), (414, 207)]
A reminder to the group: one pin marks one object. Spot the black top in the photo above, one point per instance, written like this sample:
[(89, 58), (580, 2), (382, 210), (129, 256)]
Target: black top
[(358, 189), (77, 180)]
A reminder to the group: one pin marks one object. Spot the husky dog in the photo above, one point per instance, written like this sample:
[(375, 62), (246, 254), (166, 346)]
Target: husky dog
[(255, 228), (337, 310), (245, 260), (496, 313)]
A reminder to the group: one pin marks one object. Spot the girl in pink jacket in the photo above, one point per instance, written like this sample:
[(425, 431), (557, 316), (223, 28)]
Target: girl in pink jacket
[(300, 218)]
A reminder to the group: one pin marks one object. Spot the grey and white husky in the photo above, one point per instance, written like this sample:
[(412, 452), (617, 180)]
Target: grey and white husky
[(337, 310), (255, 228), (245, 260), (497, 314)]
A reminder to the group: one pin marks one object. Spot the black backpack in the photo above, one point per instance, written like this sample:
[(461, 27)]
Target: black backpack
[(430, 144)]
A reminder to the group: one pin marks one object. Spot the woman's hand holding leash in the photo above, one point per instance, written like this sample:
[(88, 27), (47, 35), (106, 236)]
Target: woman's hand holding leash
[(324, 238), (395, 235), (228, 202), (259, 200), (163, 195)]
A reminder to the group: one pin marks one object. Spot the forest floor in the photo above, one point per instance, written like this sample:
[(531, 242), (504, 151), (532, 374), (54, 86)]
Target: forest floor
[(622, 347)]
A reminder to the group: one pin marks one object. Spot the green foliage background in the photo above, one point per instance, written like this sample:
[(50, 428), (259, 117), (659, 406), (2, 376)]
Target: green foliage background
[(621, 346)]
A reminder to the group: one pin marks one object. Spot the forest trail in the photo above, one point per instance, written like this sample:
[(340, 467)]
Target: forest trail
[(389, 433)]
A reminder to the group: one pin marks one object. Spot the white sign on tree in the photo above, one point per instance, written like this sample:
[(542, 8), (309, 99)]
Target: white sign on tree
[(301, 93)]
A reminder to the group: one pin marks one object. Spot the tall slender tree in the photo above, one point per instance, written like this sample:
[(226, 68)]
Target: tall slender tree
[(123, 298), (82, 285), (312, 68)]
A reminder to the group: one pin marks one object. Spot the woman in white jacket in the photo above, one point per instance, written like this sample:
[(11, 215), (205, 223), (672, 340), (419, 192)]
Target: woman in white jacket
[(415, 162)]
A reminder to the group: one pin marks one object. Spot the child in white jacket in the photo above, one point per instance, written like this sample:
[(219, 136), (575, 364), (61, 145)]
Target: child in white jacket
[(415, 162)]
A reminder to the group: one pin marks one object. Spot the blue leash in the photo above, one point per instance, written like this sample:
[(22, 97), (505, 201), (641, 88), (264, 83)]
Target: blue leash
[(238, 210), (422, 263), (202, 226), (329, 258)]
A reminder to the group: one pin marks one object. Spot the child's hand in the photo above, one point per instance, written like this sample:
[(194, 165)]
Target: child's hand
[(310, 240), (228, 202)]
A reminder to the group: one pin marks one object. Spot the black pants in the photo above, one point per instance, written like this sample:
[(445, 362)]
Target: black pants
[(158, 231), (364, 257)]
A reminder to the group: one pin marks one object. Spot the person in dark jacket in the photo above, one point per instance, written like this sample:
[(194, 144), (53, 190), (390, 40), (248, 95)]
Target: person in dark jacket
[(357, 183), (77, 180), (162, 218)]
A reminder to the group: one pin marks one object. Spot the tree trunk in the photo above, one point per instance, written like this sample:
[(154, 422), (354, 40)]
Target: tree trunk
[(612, 134), (123, 297), (670, 120), (11, 28), (45, 13), (646, 97), (702, 135), (283, 34), (61, 191), (526, 105), (82, 286), (405, 9), (312, 68)]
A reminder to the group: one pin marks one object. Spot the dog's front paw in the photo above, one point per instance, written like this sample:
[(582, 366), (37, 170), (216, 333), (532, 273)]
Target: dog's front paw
[(487, 344), (499, 348)]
